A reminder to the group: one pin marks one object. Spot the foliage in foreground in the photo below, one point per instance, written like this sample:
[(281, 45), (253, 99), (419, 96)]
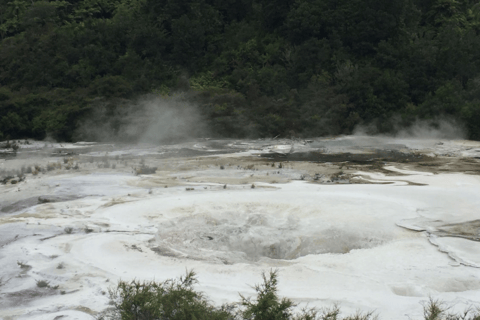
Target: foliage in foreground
[(438, 310), (172, 299), (177, 300)]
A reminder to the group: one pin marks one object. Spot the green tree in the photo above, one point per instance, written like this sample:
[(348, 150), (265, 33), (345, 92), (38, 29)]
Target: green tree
[(11, 16), (172, 299)]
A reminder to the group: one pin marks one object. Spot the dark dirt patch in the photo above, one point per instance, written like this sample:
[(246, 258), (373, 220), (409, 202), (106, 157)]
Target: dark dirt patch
[(377, 160), (23, 297), (33, 201), (187, 152), (355, 158), (164, 252), (468, 230), (19, 205), (50, 198), (448, 164)]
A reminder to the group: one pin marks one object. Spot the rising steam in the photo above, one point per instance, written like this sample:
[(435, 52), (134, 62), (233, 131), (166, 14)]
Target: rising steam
[(149, 119), (439, 128)]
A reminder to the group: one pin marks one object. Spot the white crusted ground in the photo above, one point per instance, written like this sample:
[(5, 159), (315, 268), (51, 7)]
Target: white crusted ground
[(365, 247)]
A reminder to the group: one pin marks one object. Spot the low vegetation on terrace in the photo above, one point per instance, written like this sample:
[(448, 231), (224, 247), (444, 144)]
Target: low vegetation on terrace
[(176, 299)]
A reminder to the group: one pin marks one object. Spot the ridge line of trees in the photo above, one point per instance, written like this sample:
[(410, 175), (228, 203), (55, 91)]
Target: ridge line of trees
[(255, 67)]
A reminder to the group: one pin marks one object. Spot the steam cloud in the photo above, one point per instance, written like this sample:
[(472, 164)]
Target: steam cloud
[(439, 128), (154, 119), (149, 119)]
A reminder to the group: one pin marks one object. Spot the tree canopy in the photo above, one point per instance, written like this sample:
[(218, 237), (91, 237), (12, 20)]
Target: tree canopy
[(255, 67)]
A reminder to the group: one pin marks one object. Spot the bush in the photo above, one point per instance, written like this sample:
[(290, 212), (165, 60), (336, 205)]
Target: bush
[(438, 310), (172, 299), (176, 299), (267, 304), (42, 283)]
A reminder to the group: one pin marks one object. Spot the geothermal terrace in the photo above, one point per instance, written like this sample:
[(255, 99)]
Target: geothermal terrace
[(368, 223)]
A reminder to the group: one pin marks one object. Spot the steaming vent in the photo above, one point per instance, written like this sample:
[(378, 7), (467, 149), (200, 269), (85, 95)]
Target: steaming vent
[(251, 234)]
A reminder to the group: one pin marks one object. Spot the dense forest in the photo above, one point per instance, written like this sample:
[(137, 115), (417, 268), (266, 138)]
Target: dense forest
[(253, 67)]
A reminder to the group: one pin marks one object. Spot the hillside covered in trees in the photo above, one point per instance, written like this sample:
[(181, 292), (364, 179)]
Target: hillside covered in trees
[(253, 67)]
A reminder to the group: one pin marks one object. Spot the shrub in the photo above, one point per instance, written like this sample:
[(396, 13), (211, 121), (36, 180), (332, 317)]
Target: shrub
[(42, 283), (145, 170), (438, 310), (172, 299), (23, 265), (176, 299), (267, 304)]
